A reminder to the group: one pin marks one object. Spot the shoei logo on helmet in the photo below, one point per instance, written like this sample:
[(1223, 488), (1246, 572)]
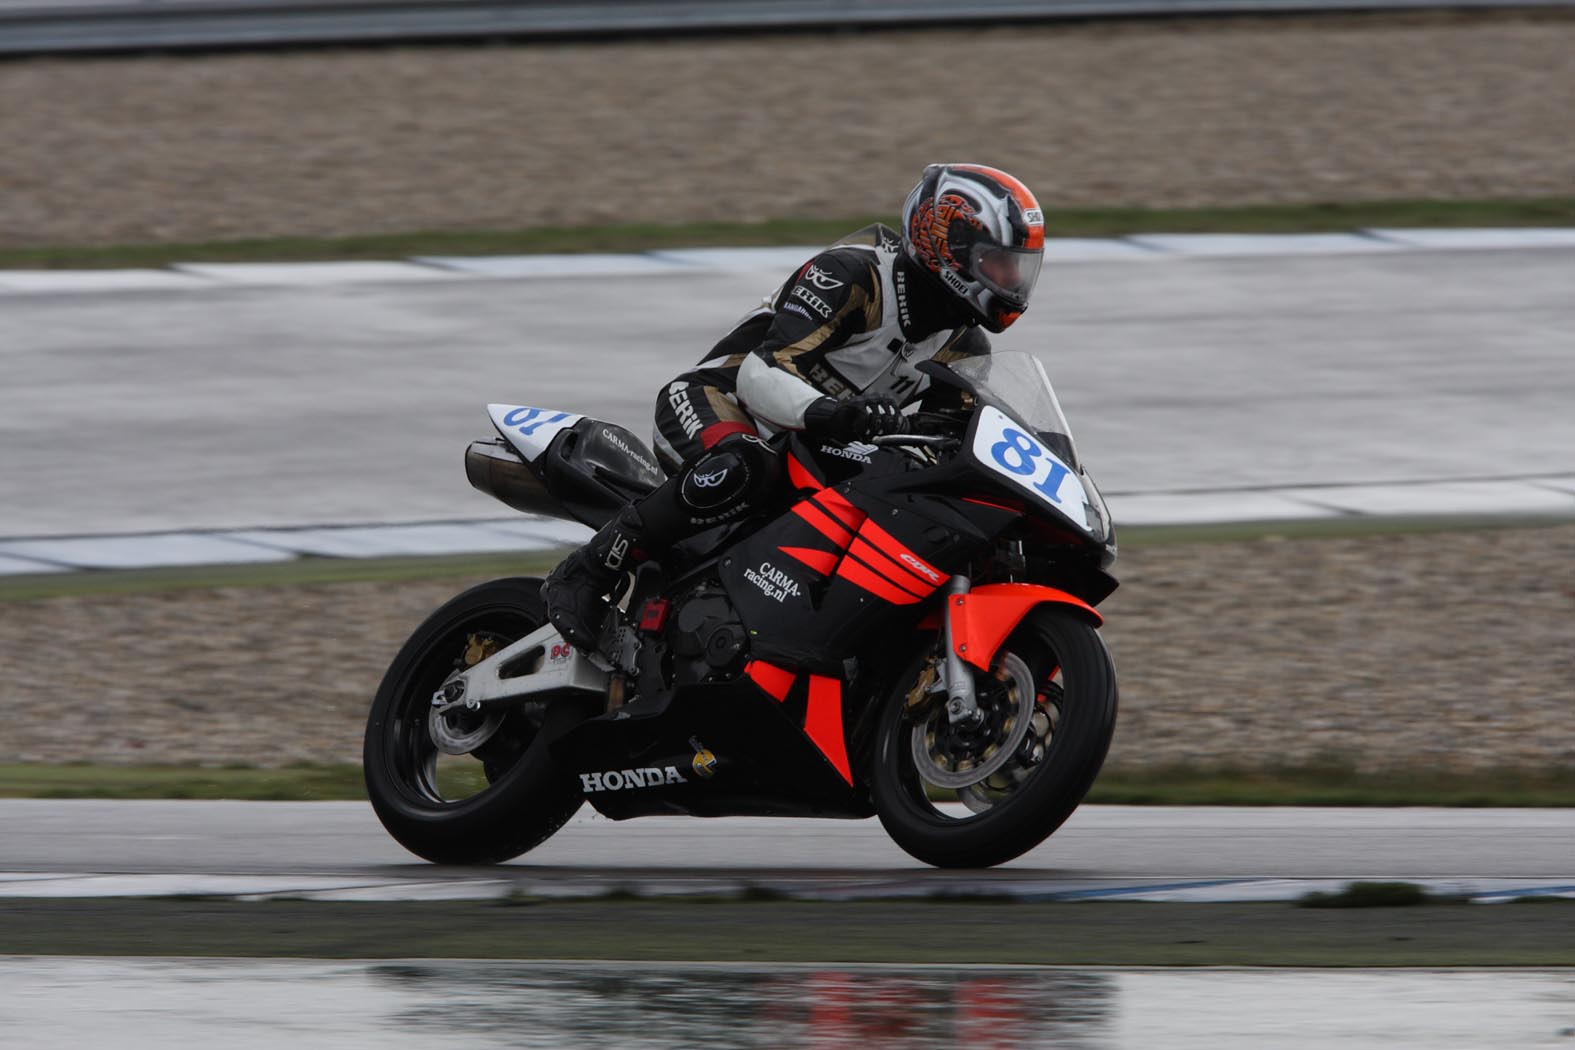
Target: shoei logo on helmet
[(957, 284), (1034, 217)]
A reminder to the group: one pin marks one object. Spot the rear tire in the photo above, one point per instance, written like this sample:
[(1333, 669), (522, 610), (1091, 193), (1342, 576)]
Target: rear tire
[(1079, 705), (523, 796)]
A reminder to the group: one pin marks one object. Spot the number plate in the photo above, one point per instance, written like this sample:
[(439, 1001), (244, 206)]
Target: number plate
[(528, 429), (1003, 446)]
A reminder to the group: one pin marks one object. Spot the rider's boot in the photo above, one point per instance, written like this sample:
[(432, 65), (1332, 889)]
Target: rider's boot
[(576, 591)]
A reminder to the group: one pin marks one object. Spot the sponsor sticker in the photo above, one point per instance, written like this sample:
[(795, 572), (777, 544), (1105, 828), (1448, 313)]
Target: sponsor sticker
[(797, 309), (821, 279), (827, 383), (813, 301), (956, 283), (688, 418), (773, 582), (623, 446), (920, 567), (858, 451), (1034, 217), (626, 779)]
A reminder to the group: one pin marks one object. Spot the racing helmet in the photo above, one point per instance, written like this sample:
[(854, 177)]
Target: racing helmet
[(981, 233)]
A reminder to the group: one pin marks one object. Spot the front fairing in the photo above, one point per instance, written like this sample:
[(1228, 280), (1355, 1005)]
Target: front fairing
[(1020, 438)]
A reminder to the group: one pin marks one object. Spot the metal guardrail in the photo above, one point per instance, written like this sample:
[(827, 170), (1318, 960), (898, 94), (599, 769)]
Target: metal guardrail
[(62, 26)]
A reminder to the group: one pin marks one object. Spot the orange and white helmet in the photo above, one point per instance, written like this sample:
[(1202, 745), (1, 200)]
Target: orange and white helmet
[(981, 233)]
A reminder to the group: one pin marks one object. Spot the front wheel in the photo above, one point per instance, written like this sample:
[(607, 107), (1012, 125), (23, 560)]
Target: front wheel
[(467, 787), (1048, 710)]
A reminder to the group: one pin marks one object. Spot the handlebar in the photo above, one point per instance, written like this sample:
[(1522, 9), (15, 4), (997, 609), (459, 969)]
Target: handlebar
[(920, 440)]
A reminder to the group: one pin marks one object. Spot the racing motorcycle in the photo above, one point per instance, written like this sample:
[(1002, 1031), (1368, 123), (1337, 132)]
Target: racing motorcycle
[(909, 633)]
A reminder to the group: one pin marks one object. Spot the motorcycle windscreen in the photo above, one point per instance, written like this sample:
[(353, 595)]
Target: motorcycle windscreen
[(1020, 434), (1017, 382)]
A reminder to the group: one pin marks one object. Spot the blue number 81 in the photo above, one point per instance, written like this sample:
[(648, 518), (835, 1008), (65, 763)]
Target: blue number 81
[(1025, 461), (1026, 448)]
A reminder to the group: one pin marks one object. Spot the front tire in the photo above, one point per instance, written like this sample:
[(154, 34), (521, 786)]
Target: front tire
[(467, 788), (1043, 748)]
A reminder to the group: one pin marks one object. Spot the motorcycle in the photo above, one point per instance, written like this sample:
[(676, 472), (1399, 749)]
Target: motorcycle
[(910, 633)]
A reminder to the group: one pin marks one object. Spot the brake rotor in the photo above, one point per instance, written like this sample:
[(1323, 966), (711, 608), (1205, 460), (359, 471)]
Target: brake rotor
[(955, 756), (460, 730)]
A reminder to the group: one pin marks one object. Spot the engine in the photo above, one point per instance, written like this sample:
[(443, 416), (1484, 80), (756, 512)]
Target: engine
[(706, 637)]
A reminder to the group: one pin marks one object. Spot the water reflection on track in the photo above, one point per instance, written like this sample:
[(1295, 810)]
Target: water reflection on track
[(242, 1004)]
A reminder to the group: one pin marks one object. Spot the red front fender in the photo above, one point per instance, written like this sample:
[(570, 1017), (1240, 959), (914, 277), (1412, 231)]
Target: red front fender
[(984, 617)]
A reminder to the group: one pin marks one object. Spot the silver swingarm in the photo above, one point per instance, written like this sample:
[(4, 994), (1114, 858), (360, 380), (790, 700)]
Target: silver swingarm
[(538, 666)]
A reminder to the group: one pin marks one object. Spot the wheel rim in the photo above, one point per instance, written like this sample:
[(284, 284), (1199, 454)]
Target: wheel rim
[(987, 766), (454, 757)]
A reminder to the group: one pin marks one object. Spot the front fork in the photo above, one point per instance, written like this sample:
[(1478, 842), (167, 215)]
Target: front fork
[(961, 704)]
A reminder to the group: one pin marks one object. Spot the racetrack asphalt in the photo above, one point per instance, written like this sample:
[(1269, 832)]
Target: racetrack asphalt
[(245, 406), (215, 414), (339, 851)]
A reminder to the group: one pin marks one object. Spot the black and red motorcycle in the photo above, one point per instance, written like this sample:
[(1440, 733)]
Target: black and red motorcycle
[(910, 633)]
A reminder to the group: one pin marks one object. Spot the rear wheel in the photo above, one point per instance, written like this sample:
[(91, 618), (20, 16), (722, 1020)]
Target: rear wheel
[(1048, 710), (461, 786)]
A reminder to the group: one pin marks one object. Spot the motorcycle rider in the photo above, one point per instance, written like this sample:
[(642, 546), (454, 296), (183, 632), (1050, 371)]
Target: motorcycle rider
[(831, 352)]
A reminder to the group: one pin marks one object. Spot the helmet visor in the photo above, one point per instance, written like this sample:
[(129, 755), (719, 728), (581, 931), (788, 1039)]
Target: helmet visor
[(1009, 272)]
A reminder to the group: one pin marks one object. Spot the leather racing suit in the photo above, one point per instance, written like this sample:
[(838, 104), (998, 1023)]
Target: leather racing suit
[(854, 320)]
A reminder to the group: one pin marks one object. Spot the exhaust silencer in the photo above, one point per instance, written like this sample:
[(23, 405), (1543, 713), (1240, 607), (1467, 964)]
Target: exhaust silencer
[(496, 469)]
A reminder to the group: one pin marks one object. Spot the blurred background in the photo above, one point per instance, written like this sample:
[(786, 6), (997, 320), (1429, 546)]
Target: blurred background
[(263, 266), (1309, 656)]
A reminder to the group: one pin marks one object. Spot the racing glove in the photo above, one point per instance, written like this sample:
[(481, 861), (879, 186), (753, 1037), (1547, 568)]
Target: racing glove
[(856, 419)]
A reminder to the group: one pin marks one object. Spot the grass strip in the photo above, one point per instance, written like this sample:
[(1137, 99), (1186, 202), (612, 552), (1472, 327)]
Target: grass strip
[(1064, 222), (297, 573), (313, 570), (1094, 934), (1170, 786)]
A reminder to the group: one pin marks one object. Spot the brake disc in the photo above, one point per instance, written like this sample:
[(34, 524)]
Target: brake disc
[(936, 743), (455, 729)]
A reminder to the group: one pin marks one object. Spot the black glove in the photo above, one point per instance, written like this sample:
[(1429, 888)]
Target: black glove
[(856, 419)]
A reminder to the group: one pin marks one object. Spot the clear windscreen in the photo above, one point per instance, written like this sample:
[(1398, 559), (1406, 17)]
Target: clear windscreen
[(1016, 383)]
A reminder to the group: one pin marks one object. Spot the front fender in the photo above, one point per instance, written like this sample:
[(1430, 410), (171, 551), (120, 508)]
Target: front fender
[(986, 616)]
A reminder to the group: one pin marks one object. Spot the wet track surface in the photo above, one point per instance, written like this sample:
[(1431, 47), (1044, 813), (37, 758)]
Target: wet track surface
[(252, 406), (244, 1004)]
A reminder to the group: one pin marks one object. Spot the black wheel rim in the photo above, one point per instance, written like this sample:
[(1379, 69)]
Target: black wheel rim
[(1028, 760), (423, 771)]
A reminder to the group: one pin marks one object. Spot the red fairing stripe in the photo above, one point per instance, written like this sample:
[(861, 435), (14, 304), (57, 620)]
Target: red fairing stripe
[(837, 505), (860, 575), (823, 722), (774, 680), (800, 476), (823, 524), (717, 431), (991, 503), (888, 569), (893, 548), (821, 561)]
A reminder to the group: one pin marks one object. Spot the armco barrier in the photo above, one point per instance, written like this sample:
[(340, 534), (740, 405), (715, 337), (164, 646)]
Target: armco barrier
[(65, 26)]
